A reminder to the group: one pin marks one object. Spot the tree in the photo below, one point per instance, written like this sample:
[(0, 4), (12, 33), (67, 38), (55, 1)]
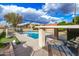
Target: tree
[(13, 18), (76, 20), (62, 23)]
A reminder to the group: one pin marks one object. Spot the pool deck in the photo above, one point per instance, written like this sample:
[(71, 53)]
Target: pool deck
[(32, 47), (28, 41), (34, 42)]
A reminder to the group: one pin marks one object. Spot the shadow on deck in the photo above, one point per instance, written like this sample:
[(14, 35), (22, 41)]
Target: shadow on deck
[(21, 50), (59, 51)]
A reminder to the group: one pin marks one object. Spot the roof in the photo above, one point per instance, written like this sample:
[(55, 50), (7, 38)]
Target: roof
[(59, 26), (2, 26), (51, 24), (22, 24)]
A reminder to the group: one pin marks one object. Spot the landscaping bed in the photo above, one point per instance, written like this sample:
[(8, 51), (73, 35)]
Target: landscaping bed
[(4, 40)]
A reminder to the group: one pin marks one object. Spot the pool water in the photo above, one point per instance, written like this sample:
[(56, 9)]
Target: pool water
[(32, 34)]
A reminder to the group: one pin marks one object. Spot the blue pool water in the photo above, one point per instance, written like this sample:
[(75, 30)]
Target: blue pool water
[(32, 34)]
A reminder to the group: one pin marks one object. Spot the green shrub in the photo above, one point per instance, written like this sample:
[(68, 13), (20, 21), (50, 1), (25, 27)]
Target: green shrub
[(2, 45), (61, 29)]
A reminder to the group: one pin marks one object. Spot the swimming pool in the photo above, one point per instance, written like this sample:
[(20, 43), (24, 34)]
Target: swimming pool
[(32, 34)]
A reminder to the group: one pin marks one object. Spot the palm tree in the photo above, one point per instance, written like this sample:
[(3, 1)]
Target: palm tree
[(13, 18)]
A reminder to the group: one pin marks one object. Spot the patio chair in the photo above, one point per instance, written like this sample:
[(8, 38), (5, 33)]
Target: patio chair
[(57, 48), (73, 40)]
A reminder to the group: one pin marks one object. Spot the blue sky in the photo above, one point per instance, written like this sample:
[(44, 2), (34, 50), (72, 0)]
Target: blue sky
[(26, 5), (40, 12)]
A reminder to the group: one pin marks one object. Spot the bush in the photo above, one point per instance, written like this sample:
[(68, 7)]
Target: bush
[(2, 35), (2, 45), (61, 29)]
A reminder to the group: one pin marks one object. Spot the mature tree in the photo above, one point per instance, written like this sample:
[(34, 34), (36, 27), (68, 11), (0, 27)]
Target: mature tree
[(76, 20), (13, 18)]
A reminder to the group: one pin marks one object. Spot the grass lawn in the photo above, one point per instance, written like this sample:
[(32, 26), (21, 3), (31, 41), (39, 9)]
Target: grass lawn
[(6, 40)]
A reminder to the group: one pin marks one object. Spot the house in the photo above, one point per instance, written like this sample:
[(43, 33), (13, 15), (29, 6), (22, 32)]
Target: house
[(50, 30), (2, 27)]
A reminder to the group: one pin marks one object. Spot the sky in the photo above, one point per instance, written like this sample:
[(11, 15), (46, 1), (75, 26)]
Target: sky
[(43, 13)]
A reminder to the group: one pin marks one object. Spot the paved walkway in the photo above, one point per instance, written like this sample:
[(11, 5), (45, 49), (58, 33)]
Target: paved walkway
[(21, 50)]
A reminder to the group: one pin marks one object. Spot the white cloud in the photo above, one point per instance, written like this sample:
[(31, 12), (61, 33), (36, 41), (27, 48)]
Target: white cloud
[(12, 8), (77, 8), (45, 16), (52, 6), (51, 18), (30, 14), (56, 8), (2, 22), (73, 15)]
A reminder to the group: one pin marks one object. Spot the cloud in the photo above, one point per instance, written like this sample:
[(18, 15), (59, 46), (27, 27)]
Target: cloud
[(77, 8), (59, 8), (39, 16), (3, 22), (29, 14), (52, 6), (12, 8), (34, 15)]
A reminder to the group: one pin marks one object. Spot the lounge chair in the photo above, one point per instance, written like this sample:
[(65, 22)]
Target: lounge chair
[(57, 48)]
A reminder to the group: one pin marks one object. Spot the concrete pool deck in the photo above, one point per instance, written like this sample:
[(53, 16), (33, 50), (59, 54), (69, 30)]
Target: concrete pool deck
[(28, 41), (34, 43)]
